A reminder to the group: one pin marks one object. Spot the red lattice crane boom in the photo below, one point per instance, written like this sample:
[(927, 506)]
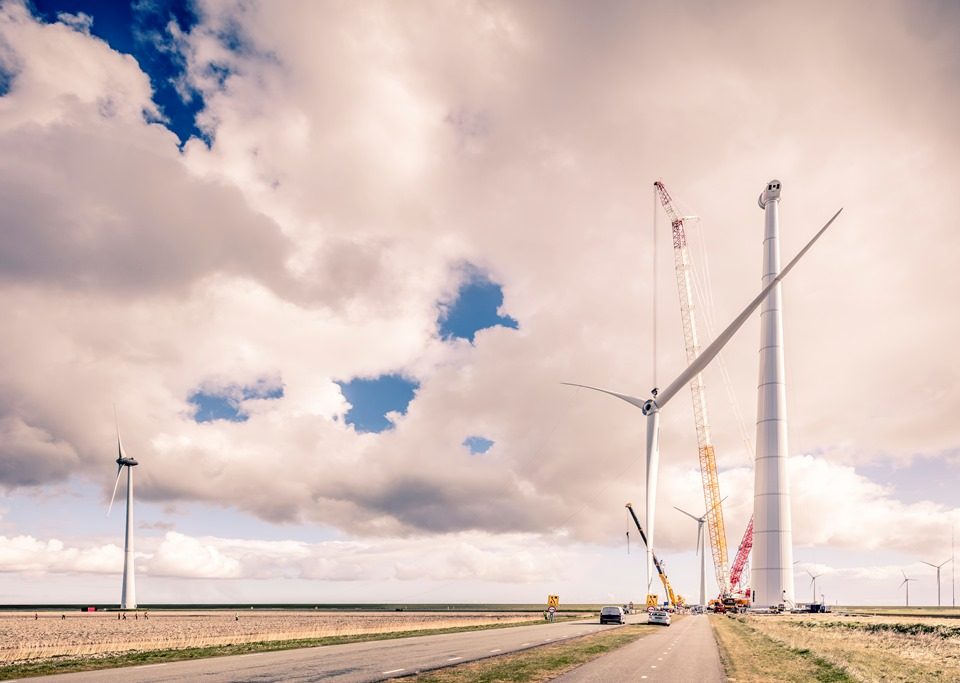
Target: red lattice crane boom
[(708, 461)]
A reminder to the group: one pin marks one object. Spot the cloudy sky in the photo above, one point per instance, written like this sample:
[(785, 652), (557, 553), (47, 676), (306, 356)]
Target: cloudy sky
[(331, 262)]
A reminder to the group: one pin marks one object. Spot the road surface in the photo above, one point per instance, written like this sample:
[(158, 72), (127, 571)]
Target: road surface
[(351, 663), (680, 653)]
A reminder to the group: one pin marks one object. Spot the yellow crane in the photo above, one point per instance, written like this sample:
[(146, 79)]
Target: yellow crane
[(708, 461), (675, 600)]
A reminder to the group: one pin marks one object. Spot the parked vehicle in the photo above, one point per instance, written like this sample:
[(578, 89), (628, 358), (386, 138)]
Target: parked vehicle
[(612, 615), (659, 617)]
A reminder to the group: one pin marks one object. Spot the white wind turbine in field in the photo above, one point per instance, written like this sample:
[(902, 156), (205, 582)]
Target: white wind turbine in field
[(128, 594), (937, 567), (906, 582), (651, 407), (700, 549), (813, 582)]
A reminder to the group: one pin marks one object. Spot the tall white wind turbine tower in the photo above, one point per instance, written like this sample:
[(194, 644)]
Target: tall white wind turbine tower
[(772, 571), (651, 407), (128, 594), (937, 567)]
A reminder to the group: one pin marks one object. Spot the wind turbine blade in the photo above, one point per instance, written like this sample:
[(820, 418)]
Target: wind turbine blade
[(708, 354), (699, 536), (929, 564), (632, 400), (695, 519), (115, 485)]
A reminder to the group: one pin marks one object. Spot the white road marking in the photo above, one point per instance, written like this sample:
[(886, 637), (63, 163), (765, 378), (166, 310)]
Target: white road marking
[(453, 659), (393, 671), (653, 666), (496, 650), (524, 644)]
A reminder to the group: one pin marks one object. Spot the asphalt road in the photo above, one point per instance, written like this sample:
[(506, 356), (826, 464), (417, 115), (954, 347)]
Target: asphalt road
[(680, 653), (352, 663)]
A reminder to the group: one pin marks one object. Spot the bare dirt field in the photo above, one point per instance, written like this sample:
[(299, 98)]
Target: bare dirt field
[(25, 638), (886, 648)]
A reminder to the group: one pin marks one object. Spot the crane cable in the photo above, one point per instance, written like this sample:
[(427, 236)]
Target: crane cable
[(700, 267), (654, 305)]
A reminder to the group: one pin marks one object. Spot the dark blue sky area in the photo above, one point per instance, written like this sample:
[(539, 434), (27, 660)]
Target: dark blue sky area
[(475, 309), (372, 399), (139, 29), (478, 445), (227, 403)]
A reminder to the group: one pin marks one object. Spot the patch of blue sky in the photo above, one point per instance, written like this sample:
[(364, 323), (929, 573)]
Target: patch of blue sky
[(141, 28), (478, 445), (226, 402), (6, 80), (477, 307), (925, 478), (372, 399)]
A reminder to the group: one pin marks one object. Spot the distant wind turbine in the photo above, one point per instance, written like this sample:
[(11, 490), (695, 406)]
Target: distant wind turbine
[(703, 558), (937, 567), (906, 582), (128, 594), (813, 582), (651, 407)]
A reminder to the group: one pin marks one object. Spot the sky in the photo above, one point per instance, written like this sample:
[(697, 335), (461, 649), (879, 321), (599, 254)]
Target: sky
[(330, 263)]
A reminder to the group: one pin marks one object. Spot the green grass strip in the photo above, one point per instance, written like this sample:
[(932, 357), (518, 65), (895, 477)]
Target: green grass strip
[(538, 664)]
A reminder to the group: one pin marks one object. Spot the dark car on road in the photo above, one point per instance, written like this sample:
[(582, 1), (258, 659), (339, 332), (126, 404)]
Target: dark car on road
[(612, 615)]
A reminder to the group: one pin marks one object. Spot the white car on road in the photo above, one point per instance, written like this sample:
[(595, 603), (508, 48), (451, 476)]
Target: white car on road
[(659, 616)]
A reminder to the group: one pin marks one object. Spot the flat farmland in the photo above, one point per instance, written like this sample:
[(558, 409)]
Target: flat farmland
[(903, 649), (24, 638)]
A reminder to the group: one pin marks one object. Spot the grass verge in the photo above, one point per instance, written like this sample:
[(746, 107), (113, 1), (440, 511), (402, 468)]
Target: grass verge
[(538, 664), (62, 665), (749, 656)]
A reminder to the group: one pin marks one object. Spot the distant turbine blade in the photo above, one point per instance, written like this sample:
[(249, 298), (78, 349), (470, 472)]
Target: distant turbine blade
[(704, 359), (115, 485), (699, 536), (120, 452), (696, 519), (632, 400), (715, 506)]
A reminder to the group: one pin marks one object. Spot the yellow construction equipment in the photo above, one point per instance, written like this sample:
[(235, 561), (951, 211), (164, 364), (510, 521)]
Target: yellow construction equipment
[(676, 601)]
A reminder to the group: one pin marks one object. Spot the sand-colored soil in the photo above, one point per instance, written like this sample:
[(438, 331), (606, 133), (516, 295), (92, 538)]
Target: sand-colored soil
[(25, 638)]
